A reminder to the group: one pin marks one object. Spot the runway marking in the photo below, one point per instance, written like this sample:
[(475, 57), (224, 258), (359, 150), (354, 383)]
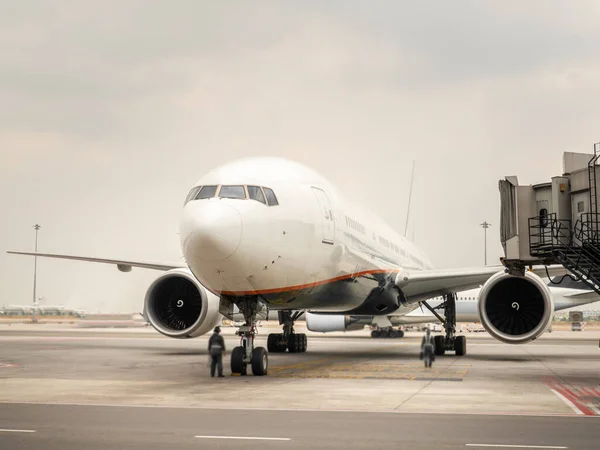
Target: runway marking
[(304, 410), (576, 397), (567, 402), (5, 430), (250, 438), (514, 446)]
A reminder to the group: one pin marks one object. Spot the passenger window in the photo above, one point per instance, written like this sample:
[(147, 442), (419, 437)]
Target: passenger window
[(232, 192), (206, 192), (192, 194), (255, 193), (271, 199)]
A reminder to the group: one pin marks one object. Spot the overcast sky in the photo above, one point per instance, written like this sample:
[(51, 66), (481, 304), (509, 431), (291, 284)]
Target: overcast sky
[(110, 111)]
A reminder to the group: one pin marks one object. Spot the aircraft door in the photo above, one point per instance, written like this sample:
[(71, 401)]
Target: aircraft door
[(328, 224)]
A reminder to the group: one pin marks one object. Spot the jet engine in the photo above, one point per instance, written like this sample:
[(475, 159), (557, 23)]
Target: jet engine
[(326, 323), (178, 306), (515, 309)]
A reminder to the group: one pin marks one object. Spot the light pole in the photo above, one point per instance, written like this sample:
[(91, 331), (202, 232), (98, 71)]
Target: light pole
[(36, 227), (485, 225)]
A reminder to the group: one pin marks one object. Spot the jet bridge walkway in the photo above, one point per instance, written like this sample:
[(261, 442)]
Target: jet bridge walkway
[(556, 222)]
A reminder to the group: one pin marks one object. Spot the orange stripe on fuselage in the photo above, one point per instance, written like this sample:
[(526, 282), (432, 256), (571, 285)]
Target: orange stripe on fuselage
[(308, 285)]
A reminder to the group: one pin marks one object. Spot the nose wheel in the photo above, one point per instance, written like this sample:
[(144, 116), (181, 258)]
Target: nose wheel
[(246, 354)]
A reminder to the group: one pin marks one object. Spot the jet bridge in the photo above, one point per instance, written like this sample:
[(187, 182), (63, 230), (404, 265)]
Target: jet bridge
[(556, 222)]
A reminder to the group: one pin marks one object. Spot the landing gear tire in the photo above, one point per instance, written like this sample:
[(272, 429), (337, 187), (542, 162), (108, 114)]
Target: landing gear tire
[(460, 345), (399, 334), (297, 343), (260, 361), (392, 334), (375, 333), (275, 343), (237, 361), (304, 342), (438, 342)]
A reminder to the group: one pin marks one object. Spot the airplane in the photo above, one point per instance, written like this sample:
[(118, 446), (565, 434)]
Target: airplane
[(269, 233), (565, 294)]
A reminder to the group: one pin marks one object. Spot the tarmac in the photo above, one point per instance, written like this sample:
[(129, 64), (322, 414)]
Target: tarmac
[(133, 388)]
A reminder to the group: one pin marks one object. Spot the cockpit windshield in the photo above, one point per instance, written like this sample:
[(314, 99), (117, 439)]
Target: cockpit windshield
[(256, 193), (264, 195), (206, 192), (232, 192)]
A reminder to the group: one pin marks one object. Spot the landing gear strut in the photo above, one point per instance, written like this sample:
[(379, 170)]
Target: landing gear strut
[(450, 341), (246, 353), (289, 339)]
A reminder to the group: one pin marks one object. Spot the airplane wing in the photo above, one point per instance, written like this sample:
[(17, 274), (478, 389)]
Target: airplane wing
[(122, 265), (422, 285)]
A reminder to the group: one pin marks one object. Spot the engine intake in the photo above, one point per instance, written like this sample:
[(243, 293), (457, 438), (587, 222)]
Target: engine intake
[(178, 306), (515, 309)]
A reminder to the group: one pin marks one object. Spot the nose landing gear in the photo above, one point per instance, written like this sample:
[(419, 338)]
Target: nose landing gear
[(246, 354)]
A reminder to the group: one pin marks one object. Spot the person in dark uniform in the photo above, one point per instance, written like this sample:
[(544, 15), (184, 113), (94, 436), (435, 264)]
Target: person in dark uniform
[(427, 348), (216, 349)]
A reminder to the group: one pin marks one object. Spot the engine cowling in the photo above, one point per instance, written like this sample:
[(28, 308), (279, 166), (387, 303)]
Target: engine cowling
[(178, 306), (326, 323), (515, 309)]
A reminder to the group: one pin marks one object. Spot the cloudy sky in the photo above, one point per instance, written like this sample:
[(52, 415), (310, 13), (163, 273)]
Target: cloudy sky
[(110, 111)]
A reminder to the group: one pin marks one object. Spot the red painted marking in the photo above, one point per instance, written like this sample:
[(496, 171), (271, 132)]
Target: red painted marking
[(308, 285), (588, 392), (566, 392)]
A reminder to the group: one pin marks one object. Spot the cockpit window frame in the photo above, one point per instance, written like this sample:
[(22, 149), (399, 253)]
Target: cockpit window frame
[(207, 186), (260, 189), (267, 197), (196, 190), (243, 186)]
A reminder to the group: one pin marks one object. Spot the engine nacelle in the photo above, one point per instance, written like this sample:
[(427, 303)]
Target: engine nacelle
[(178, 306), (327, 323), (515, 309)]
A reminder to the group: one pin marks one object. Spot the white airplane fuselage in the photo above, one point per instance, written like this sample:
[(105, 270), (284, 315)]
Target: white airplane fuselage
[(314, 250)]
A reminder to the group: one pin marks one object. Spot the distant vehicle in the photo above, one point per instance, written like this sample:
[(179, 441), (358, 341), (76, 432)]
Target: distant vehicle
[(437, 327), (475, 328), (576, 326)]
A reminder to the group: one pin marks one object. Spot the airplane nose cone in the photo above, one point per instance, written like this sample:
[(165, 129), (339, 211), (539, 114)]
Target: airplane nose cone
[(211, 230)]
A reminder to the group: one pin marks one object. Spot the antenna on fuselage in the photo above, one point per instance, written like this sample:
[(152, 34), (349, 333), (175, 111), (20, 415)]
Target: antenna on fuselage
[(412, 179)]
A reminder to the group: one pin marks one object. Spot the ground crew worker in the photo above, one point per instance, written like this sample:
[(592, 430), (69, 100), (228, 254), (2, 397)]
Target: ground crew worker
[(216, 349), (427, 348)]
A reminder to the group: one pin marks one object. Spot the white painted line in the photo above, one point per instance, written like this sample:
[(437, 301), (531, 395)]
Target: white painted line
[(244, 438), (300, 410), (569, 403), (513, 446), (3, 430)]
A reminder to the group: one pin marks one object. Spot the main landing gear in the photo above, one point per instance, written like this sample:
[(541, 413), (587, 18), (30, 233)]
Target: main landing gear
[(450, 341), (246, 353), (289, 339), (387, 332)]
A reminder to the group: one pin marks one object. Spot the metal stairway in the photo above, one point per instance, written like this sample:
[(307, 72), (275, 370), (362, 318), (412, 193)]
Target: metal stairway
[(576, 248)]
